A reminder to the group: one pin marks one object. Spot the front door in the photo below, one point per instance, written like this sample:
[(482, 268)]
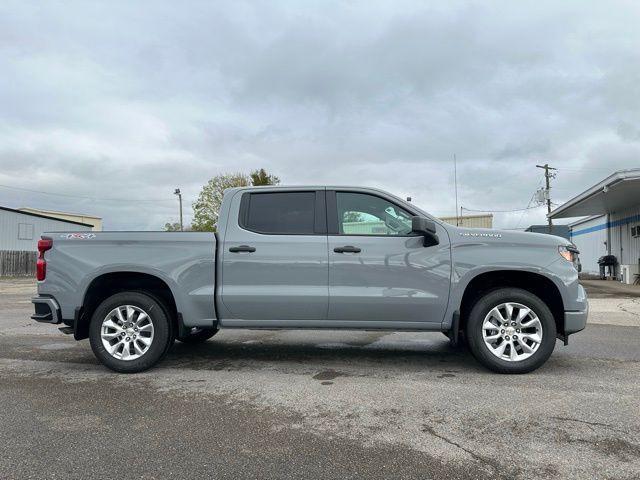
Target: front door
[(274, 255), (380, 273)]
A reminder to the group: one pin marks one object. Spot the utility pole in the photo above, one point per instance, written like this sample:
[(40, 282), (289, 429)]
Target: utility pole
[(548, 176), (455, 183), (177, 192)]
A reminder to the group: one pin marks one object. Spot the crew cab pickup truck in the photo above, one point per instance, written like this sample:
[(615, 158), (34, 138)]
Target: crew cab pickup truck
[(313, 258)]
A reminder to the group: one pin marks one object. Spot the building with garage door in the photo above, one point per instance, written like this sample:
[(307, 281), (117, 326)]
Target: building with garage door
[(611, 223), (19, 234)]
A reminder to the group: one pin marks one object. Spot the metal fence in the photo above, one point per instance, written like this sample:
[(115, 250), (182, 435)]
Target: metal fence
[(14, 263)]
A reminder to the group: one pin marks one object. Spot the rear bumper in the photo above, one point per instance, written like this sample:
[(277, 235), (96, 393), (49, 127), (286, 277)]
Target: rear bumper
[(576, 320), (47, 310)]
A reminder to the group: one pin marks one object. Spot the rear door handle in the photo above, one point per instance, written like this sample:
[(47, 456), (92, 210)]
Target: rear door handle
[(347, 249), (242, 248)]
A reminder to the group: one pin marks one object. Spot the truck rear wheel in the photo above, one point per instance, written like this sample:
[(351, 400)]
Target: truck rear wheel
[(130, 332), (510, 330), (197, 335)]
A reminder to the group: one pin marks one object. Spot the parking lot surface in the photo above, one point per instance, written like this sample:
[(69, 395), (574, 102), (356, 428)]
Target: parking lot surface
[(316, 404)]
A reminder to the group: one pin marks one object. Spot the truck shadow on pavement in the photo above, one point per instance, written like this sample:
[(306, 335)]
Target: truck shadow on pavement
[(363, 353), (217, 354)]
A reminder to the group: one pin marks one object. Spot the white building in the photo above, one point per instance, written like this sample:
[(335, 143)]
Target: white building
[(74, 217), (20, 231), (19, 235), (471, 221), (612, 223), (589, 234)]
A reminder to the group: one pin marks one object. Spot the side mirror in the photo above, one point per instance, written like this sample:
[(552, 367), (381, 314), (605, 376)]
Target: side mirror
[(427, 228)]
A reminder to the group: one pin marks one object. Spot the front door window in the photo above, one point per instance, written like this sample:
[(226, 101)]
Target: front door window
[(363, 214)]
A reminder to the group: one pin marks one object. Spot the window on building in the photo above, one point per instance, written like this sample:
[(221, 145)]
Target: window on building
[(280, 213), (364, 214), (25, 231)]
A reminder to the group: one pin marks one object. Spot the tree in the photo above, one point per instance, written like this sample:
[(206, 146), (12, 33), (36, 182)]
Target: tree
[(171, 227), (207, 207), (352, 217), (175, 227), (261, 177)]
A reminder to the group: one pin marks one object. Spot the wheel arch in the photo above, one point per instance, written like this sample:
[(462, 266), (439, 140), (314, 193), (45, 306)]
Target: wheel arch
[(540, 285), (107, 284)]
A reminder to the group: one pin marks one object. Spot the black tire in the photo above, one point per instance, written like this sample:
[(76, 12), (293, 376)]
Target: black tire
[(163, 331), (198, 335), (481, 351)]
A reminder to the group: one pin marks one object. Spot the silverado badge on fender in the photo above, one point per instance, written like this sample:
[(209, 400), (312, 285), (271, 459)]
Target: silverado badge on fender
[(470, 234)]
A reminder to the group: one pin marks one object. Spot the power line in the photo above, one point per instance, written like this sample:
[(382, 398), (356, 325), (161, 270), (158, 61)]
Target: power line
[(500, 211), (569, 169), (528, 204), (130, 200)]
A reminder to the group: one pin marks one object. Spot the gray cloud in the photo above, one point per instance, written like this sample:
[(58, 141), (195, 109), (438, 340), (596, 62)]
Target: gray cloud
[(124, 100)]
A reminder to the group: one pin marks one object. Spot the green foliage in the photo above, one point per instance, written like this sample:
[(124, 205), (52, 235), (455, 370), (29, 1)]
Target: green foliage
[(349, 217), (261, 177), (171, 227), (175, 227), (207, 207)]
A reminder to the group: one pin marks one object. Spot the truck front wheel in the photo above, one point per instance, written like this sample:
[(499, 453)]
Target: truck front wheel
[(510, 330), (130, 332)]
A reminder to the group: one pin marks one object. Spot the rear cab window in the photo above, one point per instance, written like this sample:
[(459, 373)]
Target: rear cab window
[(283, 213)]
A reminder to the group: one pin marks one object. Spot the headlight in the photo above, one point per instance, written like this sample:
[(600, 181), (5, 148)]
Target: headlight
[(570, 254), (567, 254)]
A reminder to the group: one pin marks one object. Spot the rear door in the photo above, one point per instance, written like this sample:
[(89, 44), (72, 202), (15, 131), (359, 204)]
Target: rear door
[(380, 273), (274, 254)]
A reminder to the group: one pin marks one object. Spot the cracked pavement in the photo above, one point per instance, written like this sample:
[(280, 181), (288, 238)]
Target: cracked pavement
[(260, 404)]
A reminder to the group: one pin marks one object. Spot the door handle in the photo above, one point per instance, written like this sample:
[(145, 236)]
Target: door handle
[(242, 248), (347, 249)]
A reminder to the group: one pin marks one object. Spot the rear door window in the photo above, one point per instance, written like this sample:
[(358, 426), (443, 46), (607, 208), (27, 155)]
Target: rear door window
[(282, 213)]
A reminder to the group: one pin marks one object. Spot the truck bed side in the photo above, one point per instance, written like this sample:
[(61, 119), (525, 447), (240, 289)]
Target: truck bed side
[(184, 262)]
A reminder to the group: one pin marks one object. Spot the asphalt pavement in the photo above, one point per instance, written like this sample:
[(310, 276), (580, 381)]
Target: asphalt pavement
[(319, 404)]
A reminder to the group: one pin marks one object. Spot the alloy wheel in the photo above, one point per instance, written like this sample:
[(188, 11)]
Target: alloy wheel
[(512, 331), (127, 332)]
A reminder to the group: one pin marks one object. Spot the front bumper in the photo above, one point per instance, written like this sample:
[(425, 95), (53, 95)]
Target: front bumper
[(47, 310), (576, 320)]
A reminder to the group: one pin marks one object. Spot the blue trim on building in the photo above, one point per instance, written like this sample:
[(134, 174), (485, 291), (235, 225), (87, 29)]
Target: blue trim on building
[(602, 226)]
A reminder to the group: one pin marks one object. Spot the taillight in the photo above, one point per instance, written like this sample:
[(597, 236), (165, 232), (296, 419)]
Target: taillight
[(44, 244)]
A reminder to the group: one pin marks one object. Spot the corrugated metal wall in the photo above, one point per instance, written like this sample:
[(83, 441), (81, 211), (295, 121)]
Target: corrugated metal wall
[(623, 245), (20, 232), (590, 237)]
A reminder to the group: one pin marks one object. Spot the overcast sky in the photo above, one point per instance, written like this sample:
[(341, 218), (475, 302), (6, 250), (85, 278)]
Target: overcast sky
[(124, 101)]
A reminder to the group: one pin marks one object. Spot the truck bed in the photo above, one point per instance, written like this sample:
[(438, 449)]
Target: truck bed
[(184, 261)]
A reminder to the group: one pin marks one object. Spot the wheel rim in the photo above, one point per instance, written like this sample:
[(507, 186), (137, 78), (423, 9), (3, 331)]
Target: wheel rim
[(127, 332), (512, 331)]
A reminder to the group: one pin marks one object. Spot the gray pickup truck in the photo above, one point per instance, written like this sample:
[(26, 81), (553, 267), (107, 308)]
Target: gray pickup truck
[(313, 258)]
